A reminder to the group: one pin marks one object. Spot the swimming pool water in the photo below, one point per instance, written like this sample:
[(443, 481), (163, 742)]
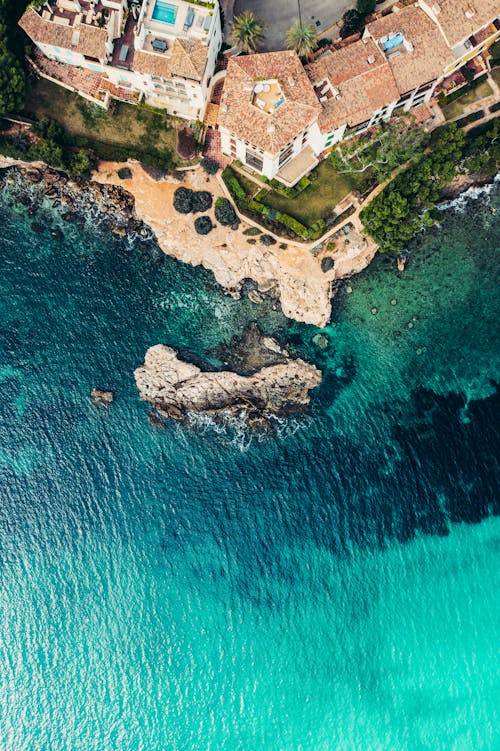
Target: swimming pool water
[(164, 12)]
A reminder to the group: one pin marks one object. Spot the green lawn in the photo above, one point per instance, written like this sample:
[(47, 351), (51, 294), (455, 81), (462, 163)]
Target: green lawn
[(495, 74), (249, 186), (319, 198), (456, 108), (128, 125)]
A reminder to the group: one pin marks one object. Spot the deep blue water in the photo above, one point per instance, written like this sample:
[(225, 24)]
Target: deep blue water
[(330, 586)]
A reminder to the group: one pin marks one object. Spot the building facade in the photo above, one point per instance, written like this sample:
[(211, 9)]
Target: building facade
[(164, 52), (395, 67), (468, 27), (267, 115)]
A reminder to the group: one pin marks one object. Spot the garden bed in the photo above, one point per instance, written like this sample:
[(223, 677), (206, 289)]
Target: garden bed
[(258, 205)]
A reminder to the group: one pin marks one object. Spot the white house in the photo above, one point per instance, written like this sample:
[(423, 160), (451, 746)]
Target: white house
[(415, 52), (468, 26), (267, 113), (355, 88), (165, 52)]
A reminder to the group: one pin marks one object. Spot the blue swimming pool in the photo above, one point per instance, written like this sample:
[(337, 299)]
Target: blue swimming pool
[(164, 12)]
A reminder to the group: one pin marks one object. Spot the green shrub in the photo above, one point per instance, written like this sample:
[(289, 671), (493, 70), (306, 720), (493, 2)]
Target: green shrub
[(225, 213), (124, 173), (257, 206), (211, 166), (81, 163), (233, 184), (288, 221), (303, 183)]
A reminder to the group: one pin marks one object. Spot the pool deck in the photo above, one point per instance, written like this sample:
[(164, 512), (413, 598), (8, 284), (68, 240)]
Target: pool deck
[(196, 29)]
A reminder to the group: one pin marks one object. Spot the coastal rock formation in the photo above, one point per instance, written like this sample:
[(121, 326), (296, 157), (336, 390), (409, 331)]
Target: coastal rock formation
[(101, 397), (35, 183), (175, 387)]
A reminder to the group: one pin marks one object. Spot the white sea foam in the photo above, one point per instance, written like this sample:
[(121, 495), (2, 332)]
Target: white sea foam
[(459, 204), (232, 430)]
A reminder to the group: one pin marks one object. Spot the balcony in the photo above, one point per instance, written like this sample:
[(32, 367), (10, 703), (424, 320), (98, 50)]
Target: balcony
[(299, 166)]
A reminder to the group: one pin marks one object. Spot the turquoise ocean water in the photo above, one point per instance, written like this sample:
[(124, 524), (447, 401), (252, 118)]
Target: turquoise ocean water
[(332, 586)]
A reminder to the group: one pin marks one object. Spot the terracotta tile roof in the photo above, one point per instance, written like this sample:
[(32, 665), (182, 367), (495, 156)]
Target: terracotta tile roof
[(83, 38), (459, 19), (267, 131), (362, 86), (422, 113), (187, 58), (118, 92), (424, 54)]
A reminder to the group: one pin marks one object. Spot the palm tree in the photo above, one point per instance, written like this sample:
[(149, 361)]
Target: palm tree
[(301, 38), (247, 31)]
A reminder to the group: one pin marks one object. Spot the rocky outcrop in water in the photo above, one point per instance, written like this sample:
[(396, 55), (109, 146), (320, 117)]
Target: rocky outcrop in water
[(101, 397), (175, 387)]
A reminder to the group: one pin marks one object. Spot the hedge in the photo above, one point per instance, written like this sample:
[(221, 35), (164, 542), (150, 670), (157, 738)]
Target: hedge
[(463, 121), (297, 227), (457, 93), (233, 184), (303, 183), (254, 205)]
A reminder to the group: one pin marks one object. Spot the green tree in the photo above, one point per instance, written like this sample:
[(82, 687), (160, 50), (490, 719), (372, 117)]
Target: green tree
[(365, 7), (80, 163), (301, 38), (352, 23), (12, 82), (247, 32), (47, 151)]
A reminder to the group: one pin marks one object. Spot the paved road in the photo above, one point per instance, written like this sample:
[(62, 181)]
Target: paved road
[(279, 15)]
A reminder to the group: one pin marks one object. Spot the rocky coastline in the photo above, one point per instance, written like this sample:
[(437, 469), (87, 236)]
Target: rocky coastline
[(35, 184), (177, 388)]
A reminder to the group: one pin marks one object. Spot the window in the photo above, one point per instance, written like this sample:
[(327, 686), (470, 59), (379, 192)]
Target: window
[(286, 154), (254, 160)]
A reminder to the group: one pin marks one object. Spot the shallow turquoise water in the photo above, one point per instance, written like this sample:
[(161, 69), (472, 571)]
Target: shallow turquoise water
[(332, 586)]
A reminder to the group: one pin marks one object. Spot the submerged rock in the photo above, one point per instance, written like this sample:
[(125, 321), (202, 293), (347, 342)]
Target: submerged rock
[(175, 387), (321, 341), (101, 398), (251, 351)]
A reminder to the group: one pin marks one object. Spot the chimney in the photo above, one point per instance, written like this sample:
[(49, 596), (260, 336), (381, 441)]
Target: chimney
[(370, 60)]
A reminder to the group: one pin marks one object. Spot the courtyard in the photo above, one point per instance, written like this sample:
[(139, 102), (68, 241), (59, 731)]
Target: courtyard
[(280, 15)]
